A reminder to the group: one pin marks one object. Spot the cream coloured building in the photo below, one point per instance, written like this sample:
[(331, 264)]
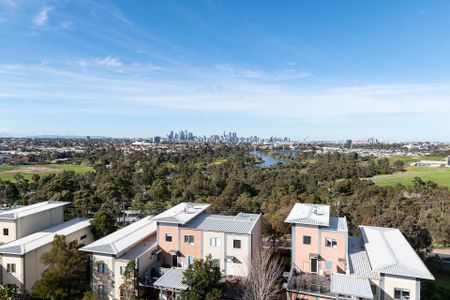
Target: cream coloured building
[(111, 254), (22, 221), (21, 262)]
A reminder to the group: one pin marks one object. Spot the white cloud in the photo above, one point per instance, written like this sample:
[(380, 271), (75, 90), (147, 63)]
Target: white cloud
[(109, 61), (209, 90), (42, 16)]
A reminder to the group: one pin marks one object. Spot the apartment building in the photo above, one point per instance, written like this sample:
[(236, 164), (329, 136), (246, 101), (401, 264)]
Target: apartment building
[(22, 221), (21, 262), (327, 263), (111, 254)]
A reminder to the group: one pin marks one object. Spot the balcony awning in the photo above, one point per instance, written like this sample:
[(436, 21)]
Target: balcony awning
[(171, 280), (173, 252), (351, 286)]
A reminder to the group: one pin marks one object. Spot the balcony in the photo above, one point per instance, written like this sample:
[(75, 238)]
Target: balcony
[(308, 283)]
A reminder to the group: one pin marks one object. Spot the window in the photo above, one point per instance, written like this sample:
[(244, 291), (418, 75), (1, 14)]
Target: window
[(188, 260), (237, 244), (306, 240), (330, 243), (188, 239), (101, 267), (122, 270), (214, 242), (11, 268), (169, 237), (5, 231), (401, 294), (328, 264), (102, 291), (314, 264), (83, 237)]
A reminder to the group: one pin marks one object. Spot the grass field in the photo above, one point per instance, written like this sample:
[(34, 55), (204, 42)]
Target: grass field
[(7, 172), (439, 175)]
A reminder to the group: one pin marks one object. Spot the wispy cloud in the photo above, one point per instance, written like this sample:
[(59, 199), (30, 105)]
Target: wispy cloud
[(109, 61), (83, 89), (42, 16)]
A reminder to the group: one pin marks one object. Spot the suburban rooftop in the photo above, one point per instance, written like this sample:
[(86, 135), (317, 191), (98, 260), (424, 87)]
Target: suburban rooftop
[(44, 237), (17, 213), (121, 241), (309, 214), (390, 253), (241, 223), (181, 213)]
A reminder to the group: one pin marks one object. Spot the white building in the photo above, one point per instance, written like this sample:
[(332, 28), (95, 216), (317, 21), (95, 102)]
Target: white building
[(111, 254), (19, 222), (385, 257), (21, 259)]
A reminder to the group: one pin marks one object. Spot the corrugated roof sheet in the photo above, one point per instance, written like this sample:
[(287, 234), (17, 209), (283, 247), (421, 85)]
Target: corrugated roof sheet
[(358, 260), (23, 211), (389, 252), (309, 214), (181, 213), (172, 280), (41, 238), (338, 224), (120, 241), (351, 286), (242, 223)]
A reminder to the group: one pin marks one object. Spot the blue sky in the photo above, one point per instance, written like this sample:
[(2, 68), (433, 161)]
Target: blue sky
[(303, 69)]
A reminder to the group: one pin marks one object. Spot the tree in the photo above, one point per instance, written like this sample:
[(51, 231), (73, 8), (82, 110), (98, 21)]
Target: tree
[(264, 280), (102, 224), (203, 278), (65, 277), (129, 285)]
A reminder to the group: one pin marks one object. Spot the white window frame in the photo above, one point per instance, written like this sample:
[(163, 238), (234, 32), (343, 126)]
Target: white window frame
[(189, 239), (166, 235), (240, 244), (402, 297), (331, 243), (11, 268), (101, 268), (214, 242), (102, 291), (122, 270)]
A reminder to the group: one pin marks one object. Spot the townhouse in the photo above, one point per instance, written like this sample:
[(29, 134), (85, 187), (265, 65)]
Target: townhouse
[(21, 259), (111, 254), (22, 221), (327, 263), (185, 233)]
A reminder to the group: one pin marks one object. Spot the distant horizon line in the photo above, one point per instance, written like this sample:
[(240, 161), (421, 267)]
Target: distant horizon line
[(304, 140)]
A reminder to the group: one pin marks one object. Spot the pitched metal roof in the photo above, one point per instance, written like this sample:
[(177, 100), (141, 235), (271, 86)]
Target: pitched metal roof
[(242, 223), (351, 286), (390, 253), (358, 260), (338, 224), (23, 211), (120, 241), (41, 238), (171, 280), (181, 213), (309, 214)]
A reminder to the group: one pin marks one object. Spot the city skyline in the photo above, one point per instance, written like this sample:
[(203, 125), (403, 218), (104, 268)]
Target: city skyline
[(321, 70)]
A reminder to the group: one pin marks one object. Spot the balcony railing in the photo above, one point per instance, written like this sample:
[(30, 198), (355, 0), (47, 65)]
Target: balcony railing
[(309, 283)]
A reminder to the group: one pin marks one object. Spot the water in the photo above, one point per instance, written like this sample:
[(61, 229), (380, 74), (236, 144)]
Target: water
[(268, 161)]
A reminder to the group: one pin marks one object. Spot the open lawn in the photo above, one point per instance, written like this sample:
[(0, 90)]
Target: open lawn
[(7, 172), (439, 175)]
